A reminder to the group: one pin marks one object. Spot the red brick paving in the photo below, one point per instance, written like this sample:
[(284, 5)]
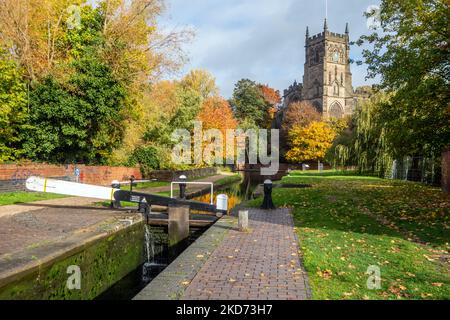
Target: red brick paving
[(32, 228), (259, 265)]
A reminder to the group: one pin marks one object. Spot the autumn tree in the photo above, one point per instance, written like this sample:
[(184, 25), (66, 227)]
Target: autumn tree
[(135, 47), (216, 113), (30, 29), (309, 143), (300, 114), (273, 99), (201, 81), (139, 54), (13, 109)]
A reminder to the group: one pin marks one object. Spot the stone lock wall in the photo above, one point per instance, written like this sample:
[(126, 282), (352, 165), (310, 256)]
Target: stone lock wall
[(13, 176), (102, 261)]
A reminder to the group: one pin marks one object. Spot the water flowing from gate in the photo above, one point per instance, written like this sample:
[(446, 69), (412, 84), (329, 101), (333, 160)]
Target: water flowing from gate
[(152, 250)]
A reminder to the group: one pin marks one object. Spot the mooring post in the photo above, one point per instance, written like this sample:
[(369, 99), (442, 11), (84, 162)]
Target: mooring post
[(178, 224), (183, 178), (243, 220), (132, 184), (268, 203), (115, 185), (221, 205)]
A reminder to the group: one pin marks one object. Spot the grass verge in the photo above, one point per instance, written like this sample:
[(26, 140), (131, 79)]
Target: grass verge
[(347, 225), (18, 197)]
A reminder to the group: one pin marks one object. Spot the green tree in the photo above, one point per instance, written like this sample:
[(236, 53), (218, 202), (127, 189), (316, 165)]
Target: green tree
[(248, 102), (411, 53), (80, 120), (187, 105), (13, 109)]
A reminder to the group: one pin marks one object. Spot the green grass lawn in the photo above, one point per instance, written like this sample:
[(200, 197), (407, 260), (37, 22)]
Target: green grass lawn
[(346, 224), (8, 198), (146, 185)]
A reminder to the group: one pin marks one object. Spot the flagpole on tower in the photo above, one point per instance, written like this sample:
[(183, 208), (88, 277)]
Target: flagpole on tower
[(326, 9)]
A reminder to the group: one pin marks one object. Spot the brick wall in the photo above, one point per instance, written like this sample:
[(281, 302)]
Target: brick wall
[(13, 176), (446, 171)]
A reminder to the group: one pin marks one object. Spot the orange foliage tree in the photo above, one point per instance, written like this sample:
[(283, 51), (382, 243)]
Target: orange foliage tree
[(216, 113), (272, 98)]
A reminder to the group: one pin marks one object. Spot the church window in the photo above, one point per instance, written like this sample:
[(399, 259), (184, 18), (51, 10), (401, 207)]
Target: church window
[(336, 56), (336, 89)]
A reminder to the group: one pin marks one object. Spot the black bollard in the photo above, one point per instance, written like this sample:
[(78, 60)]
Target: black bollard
[(268, 203), (183, 187), (145, 209), (132, 184), (115, 185)]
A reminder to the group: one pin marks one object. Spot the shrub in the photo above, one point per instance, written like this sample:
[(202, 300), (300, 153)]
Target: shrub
[(148, 157)]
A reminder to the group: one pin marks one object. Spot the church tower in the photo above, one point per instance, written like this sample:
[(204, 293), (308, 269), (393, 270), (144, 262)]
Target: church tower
[(327, 81)]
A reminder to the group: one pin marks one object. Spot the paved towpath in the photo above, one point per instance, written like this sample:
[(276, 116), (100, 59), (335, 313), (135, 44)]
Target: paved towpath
[(261, 264), (226, 264)]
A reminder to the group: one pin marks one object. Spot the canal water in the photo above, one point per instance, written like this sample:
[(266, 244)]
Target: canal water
[(158, 255)]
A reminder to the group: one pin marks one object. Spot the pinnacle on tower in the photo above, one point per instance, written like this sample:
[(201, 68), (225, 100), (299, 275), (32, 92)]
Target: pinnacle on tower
[(307, 32), (325, 25), (346, 29)]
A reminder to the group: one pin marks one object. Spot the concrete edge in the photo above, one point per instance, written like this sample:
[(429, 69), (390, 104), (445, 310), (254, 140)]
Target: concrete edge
[(171, 283)]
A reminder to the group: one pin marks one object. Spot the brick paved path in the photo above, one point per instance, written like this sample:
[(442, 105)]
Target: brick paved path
[(37, 227), (261, 264)]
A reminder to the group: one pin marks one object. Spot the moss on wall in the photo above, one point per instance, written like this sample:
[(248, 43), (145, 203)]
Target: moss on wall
[(102, 264)]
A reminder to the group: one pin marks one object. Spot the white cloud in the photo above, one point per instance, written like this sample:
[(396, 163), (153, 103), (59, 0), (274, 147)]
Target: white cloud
[(261, 39)]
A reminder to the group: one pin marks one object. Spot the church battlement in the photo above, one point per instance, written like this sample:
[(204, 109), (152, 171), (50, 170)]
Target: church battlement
[(317, 36), (327, 35), (337, 35)]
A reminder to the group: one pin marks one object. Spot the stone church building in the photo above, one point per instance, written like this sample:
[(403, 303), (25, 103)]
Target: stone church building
[(327, 79)]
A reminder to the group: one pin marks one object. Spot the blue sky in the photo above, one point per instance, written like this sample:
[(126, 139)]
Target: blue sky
[(262, 40)]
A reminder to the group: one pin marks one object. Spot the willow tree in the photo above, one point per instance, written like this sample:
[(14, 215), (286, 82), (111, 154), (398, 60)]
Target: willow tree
[(371, 150)]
